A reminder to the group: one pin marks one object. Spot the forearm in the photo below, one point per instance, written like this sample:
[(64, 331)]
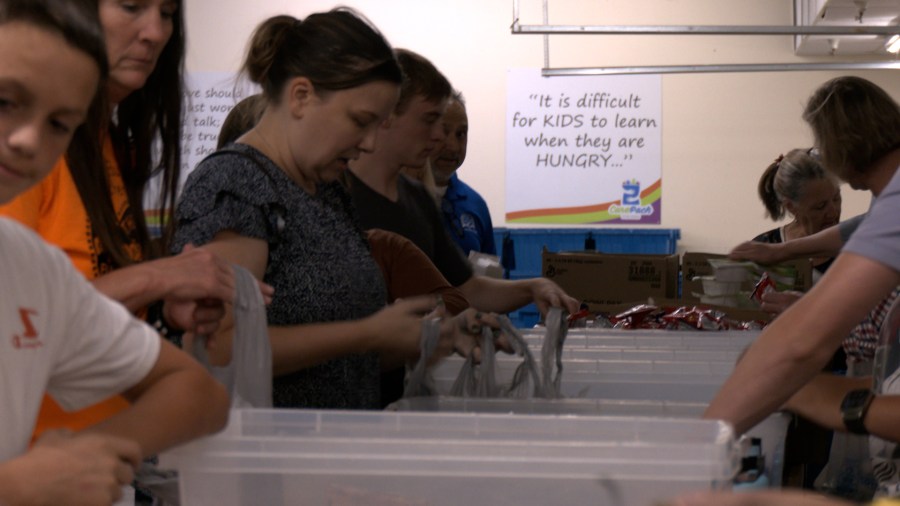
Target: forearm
[(301, 346), (798, 343), (172, 413), (497, 295), (297, 347), (762, 382), (135, 286), (825, 243), (14, 477), (881, 419), (819, 401)]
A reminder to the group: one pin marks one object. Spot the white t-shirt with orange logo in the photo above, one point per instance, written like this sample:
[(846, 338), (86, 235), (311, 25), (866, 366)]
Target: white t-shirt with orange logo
[(58, 334)]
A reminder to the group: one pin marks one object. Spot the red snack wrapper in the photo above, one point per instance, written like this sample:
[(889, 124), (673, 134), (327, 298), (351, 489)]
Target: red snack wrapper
[(640, 316), (579, 319), (765, 285)]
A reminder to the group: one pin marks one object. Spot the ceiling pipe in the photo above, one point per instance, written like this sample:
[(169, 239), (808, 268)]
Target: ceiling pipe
[(797, 30), (703, 30), (738, 67)]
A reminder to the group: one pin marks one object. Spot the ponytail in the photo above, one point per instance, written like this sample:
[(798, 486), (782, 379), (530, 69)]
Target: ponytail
[(767, 193)]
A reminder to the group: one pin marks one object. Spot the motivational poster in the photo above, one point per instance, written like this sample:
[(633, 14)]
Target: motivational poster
[(207, 99), (583, 149)]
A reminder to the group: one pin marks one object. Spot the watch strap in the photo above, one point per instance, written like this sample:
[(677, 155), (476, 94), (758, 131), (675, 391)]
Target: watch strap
[(854, 408)]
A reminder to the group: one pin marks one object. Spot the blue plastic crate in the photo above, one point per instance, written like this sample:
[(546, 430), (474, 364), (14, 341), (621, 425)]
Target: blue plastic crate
[(528, 243), (525, 317)]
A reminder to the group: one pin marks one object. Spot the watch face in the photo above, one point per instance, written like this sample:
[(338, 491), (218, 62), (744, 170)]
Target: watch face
[(853, 410), (856, 399)]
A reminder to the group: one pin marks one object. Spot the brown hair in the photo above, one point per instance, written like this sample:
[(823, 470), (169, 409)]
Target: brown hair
[(786, 179), (421, 78), (78, 22), (855, 124), (241, 118), (144, 117), (335, 50)]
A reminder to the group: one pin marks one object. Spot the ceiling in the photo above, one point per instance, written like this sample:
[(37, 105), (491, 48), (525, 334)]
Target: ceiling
[(844, 13)]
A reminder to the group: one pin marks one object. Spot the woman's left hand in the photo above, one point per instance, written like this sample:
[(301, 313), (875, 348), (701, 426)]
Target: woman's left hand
[(462, 334)]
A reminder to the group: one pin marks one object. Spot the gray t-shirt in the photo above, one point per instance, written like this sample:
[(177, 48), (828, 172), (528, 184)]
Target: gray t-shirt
[(847, 227), (878, 236), (319, 263)]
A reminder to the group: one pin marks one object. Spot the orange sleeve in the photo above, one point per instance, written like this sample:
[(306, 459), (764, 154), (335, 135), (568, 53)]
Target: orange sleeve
[(26, 207)]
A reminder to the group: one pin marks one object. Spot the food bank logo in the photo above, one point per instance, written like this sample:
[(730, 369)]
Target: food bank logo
[(631, 208), (29, 338)]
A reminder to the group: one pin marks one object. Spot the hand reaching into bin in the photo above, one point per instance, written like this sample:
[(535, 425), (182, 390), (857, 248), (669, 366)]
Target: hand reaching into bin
[(462, 334)]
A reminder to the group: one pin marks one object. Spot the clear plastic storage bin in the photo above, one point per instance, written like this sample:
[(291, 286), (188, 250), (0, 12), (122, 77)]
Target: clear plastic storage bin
[(772, 431), (294, 457), (659, 380), (655, 339)]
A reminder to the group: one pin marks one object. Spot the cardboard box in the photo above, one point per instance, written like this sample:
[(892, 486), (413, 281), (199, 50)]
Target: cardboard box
[(695, 264), (599, 279)]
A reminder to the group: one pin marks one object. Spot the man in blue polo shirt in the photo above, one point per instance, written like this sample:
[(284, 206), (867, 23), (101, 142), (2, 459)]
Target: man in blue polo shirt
[(465, 213)]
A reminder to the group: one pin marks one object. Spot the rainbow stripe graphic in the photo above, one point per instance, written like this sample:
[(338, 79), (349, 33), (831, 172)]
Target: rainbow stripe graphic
[(596, 213)]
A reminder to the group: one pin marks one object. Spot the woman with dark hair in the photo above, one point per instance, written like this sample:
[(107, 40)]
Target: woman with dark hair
[(91, 204), (272, 202), (60, 335)]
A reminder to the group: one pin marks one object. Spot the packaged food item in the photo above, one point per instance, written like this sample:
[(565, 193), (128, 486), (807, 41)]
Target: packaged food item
[(579, 320), (638, 317), (698, 317), (765, 285)]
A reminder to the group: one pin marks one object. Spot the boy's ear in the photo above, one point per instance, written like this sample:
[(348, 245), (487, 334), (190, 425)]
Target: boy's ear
[(299, 94)]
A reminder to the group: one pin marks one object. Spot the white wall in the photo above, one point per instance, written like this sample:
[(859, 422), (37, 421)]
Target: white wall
[(720, 131)]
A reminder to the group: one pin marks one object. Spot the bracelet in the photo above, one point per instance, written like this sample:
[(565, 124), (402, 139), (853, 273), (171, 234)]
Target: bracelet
[(156, 320)]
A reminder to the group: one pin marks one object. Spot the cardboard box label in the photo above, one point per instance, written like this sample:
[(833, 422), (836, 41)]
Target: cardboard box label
[(597, 278)]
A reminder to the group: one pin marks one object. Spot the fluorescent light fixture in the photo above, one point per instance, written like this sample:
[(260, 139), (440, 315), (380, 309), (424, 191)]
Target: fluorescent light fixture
[(893, 45)]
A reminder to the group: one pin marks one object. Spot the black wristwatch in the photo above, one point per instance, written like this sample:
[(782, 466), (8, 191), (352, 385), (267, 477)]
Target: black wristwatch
[(853, 409)]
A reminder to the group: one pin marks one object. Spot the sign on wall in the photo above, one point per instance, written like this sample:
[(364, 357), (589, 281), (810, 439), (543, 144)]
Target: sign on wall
[(583, 149), (208, 97)]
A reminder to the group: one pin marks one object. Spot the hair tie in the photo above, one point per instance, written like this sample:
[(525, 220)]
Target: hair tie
[(779, 159)]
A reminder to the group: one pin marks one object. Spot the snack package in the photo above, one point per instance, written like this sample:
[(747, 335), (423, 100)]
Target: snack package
[(642, 316), (699, 317), (765, 285), (580, 319)]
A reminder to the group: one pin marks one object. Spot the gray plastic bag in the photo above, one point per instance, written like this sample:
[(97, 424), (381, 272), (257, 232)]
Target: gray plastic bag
[(551, 353), (418, 382), (248, 378)]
